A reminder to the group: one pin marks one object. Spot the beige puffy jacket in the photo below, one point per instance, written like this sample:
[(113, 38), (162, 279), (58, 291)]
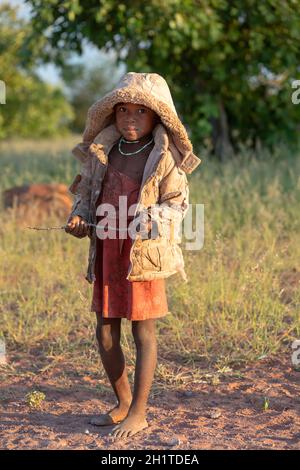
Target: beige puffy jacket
[(164, 192)]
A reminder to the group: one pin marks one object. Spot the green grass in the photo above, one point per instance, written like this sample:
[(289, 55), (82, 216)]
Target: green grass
[(242, 299)]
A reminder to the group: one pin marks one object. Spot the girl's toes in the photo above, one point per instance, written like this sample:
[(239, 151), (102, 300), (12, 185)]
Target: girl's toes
[(115, 433)]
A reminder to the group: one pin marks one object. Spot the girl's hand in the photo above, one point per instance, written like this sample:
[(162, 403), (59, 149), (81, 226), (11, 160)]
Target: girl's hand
[(77, 227)]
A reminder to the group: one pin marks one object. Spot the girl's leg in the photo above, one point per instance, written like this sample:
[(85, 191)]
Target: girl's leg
[(146, 358), (108, 332)]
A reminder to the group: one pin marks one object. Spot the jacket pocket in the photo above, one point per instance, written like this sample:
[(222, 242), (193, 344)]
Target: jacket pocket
[(171, 257), (165, 257), (150, 258)]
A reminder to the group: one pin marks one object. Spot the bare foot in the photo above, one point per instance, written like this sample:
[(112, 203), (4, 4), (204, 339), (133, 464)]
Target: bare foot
[(130, 426), (114, 416)]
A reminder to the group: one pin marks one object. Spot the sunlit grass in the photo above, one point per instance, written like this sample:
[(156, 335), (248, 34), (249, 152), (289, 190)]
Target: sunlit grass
[(241, 301)]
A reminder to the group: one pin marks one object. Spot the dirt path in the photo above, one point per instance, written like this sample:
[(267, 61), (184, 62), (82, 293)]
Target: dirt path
[(225, 412)]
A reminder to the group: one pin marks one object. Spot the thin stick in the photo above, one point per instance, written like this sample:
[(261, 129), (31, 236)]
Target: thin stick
[(62, 227)]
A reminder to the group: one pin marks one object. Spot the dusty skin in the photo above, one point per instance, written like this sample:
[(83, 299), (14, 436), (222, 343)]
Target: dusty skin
[(77, 226), (193, 412), (113, 416), (131, 409)]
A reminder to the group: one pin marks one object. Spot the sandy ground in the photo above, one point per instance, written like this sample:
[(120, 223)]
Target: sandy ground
[(224, 411)]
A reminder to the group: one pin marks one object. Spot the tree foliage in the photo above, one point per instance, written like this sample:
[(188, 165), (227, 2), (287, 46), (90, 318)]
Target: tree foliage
[(229, 63), (85, 84), (33, 108)]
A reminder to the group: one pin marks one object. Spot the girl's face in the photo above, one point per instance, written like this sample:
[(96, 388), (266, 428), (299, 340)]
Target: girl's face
[(134, 121)]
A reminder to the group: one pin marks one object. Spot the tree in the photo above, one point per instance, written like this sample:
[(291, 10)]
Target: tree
[(85, 84), (33, 108), (220, 57)]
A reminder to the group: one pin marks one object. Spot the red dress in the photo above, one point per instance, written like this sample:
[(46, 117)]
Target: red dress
[(113, 295)]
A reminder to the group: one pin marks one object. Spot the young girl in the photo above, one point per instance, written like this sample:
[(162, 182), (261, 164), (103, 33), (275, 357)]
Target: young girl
[(134, 146)]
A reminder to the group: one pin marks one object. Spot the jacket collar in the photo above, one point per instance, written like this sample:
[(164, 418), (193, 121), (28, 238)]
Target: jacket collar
[(110, 135), (105, 140), (163, 140)]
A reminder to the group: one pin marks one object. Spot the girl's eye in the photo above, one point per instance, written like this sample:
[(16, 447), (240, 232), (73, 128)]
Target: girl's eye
[(140, 110)]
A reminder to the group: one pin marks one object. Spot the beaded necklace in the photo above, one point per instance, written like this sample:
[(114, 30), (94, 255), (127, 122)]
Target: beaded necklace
[(132, 142)]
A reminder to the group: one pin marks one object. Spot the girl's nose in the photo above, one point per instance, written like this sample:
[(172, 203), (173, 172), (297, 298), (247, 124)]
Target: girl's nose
[(131, 120)]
